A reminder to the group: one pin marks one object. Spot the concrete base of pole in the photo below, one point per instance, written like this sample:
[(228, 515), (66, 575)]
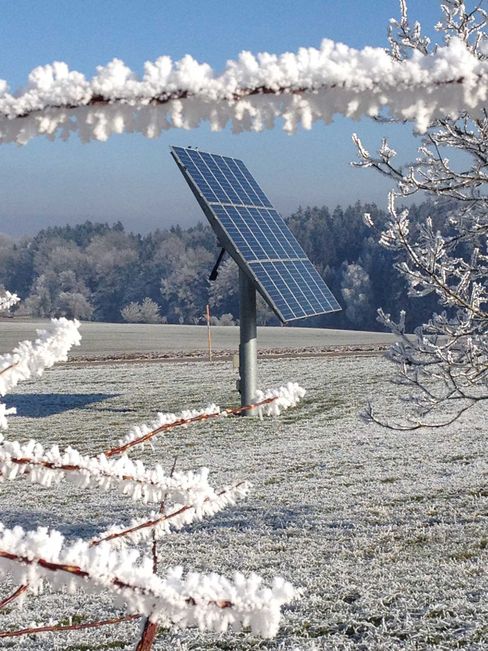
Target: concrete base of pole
[(248, 351)]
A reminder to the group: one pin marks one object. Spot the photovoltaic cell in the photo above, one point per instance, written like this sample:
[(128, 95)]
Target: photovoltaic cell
[(257, 236)]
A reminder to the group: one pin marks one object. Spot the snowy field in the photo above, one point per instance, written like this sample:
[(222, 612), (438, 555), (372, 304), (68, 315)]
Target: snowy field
[(385, 533), (118, 339)]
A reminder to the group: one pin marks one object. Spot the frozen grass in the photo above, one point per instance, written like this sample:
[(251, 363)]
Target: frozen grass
[(119, 339), (386, 533)]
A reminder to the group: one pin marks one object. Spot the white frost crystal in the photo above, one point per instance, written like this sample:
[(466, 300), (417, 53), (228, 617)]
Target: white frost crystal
[(207, 601), (31, 358), (281, 399), (251, 93)]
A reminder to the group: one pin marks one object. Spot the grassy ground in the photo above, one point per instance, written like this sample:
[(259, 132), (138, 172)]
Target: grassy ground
[(129, 339), (385, 533)]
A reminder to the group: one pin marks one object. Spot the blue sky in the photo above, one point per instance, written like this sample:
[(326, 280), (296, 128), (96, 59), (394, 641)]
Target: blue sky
[(134, 180)]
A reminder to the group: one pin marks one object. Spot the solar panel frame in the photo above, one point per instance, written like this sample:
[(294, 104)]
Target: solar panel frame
[(255, 235)]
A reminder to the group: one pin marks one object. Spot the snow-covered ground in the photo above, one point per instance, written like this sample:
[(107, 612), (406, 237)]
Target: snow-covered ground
[(116, 339), (385, 533)]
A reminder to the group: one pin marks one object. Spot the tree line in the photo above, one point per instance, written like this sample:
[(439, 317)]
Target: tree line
[(95, 271)]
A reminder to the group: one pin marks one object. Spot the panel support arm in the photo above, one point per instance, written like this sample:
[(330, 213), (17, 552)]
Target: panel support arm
[(215, 270)]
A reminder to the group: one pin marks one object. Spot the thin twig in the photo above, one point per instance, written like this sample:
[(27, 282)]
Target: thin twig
[(154, 539), (68, 627), (413, 425), (20, 590), (183, 422), (150, 629), (153, 523), (8, 368)]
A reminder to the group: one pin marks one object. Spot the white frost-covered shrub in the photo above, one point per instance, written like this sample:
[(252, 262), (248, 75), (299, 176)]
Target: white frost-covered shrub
[(107, 562)]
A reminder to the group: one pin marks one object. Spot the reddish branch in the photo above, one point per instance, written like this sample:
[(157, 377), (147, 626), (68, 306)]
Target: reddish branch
[(153, 523), (154, 547), (68, 627), (20, 590), (74, 569), (147, 637), (239, 94), (185, 421), (151, 628), (51, 465), (117, 583), (8, 368), (70, 569)]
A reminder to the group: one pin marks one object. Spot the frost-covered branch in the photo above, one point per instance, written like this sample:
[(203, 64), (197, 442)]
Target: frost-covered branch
[(268, 403), (190, 498), (58, 628), (273, 401), (23, 587), (51, 466), (251, 93), (443, 367), (30, 359), (210, 602), (141, 434), (178, 516)]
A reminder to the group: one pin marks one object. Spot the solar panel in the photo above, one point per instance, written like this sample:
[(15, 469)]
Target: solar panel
[(255, 234)]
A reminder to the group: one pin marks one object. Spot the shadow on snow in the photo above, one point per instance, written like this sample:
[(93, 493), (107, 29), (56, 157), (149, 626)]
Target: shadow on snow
[(40, 405)]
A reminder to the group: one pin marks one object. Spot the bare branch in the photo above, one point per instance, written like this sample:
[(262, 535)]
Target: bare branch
[(20, 591), (60, 628)]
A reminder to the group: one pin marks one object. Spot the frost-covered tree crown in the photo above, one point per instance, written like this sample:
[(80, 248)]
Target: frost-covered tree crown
[(443, 368)]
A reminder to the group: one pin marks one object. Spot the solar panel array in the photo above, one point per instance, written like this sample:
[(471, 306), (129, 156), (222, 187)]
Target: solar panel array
[(257, 234)]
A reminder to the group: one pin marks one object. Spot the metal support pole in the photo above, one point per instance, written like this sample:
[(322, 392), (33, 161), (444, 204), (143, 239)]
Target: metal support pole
[(209, 333), (248, 344)]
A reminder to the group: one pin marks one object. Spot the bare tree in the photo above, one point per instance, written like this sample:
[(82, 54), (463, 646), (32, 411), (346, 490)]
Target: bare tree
[(445, 364)]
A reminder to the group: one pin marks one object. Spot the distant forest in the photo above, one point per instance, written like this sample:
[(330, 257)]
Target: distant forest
[(99, 272)]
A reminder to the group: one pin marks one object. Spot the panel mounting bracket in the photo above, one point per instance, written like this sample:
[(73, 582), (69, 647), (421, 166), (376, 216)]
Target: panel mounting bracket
[(215, 271)]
